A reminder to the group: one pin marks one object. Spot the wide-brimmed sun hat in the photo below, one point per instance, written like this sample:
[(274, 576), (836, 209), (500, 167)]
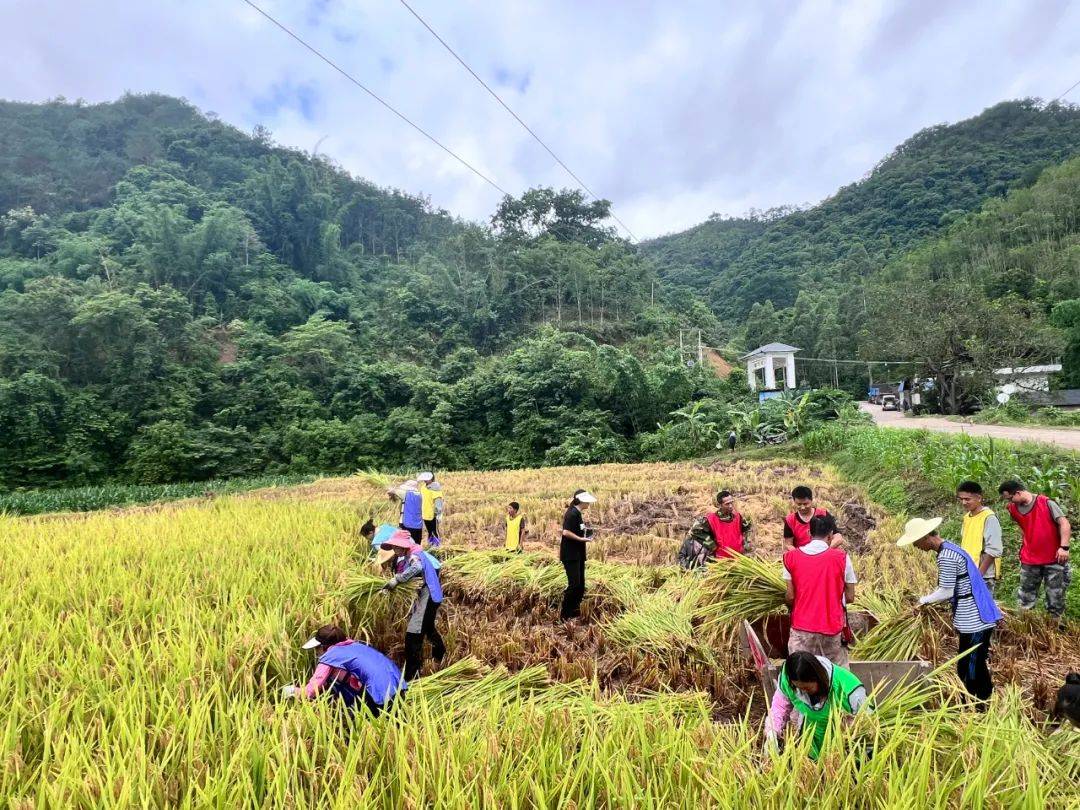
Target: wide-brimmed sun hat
[(585, 497), (399, 539), (917, 529), (425, 477)]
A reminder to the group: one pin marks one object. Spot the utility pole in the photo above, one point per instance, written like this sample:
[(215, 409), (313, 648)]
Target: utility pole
[(682, 360), (700, 353)]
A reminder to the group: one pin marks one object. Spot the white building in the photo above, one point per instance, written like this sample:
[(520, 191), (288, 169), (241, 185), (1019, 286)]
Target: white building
[(763, 364), (1024, 380)]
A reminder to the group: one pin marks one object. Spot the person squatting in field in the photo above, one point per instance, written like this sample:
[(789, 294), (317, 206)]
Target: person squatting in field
[(716, 534), (820, 584), (812, 689), (974, 612), (797, 521), (409, 561), (1044, 548), (351, 672)]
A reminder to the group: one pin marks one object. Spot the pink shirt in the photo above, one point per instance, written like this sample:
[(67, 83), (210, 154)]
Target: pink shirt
[(325, 674)]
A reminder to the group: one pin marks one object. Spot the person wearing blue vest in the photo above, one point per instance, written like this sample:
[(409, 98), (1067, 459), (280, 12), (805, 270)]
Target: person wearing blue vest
[(974, 612), (412, 508), (410, 561), (351, 672)]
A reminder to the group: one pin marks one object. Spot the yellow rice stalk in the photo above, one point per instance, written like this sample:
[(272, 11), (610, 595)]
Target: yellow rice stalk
[(741, 588)]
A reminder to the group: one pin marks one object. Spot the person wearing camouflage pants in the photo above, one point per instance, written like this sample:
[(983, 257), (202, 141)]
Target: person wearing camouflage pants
[(1055, 580), (1044, 547)]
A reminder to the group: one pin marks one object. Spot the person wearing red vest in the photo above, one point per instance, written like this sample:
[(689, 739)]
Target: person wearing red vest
[(718, 534), (1044, 549), (797, 522), (820, 583)]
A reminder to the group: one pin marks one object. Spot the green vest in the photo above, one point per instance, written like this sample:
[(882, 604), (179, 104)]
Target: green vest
[(817, 720)]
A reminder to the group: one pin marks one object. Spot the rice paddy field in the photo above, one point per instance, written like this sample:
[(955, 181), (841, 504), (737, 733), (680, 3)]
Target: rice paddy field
[(146, 649)]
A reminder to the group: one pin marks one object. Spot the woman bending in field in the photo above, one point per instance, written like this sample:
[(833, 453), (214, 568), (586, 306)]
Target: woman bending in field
[(350, 671), (811, 690)]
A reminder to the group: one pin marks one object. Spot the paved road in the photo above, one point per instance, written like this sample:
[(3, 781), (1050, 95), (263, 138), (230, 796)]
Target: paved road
[(1062, 437)]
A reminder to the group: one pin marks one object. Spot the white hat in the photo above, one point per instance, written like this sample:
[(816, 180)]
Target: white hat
[(311, 643), (424, 477), (585, 497), (917, 529)]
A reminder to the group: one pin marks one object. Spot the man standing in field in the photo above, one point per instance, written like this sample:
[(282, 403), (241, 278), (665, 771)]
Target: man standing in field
[(981, 535), (797, 522), (974, 612), (431, 505), (820, 583), (717, 534), (515, 527), (1044, 549)]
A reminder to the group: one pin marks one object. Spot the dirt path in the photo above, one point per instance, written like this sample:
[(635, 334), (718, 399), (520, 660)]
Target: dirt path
[(1062, 437)]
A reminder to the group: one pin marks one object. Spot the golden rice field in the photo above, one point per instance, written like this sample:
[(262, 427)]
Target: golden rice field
[(146, 649)]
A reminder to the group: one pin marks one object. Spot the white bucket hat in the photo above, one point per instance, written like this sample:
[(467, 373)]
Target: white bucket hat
[(425, 477), (585, 497), (917, 529)]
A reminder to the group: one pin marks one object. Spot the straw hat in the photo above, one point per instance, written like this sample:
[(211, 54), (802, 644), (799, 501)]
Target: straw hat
[(917, 529), (399, 539)]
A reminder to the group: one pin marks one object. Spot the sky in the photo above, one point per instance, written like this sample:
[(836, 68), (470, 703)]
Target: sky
[(672, 110)]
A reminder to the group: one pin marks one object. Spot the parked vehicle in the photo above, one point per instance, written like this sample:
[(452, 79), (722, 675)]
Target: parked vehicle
[(889, 403)]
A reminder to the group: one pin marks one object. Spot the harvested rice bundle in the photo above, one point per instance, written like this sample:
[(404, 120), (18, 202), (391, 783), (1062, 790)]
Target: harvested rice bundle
[(741, 588), (658, 623), (363, 591), (899, 637), (374, 478)]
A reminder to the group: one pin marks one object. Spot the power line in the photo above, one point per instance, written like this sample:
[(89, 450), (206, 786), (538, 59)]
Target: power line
[(1059, 98), (379, 99), (517, 118)]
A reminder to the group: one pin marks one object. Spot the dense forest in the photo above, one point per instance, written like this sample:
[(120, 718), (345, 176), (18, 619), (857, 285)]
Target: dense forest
[(179, 300), (819, 278)]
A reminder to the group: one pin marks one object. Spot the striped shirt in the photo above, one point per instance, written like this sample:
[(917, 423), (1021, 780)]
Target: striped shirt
[(953, 583)]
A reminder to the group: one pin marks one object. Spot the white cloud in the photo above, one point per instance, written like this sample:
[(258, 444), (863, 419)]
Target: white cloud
[(672, 110)]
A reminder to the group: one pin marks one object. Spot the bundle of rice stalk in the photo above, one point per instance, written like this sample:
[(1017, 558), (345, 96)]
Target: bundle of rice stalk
[(449, 679), (741, 588), (374, 478), (898, 637), (657, 624), (363, 592)]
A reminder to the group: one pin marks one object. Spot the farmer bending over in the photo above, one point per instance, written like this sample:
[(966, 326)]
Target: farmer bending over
[(409, 561), (811, 689), (349, 671), (820, 583), (974, 612)]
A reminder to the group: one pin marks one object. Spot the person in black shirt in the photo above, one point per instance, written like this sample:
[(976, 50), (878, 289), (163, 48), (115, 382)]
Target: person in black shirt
[(575, 534)]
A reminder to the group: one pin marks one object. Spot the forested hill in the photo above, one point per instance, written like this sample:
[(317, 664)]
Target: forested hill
[(180, 300), (58, 158), (927, 183)]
